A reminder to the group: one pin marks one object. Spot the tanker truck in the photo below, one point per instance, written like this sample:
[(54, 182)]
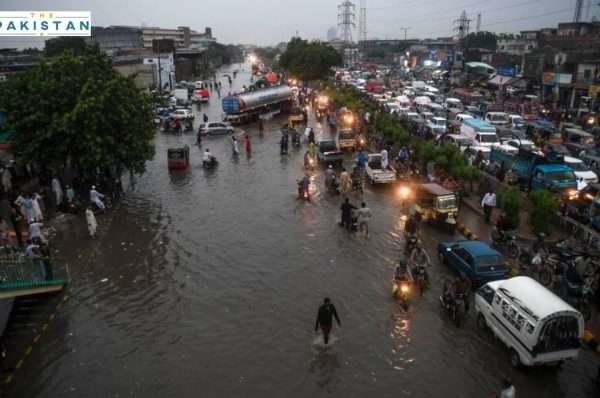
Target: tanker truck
[(247, 107)]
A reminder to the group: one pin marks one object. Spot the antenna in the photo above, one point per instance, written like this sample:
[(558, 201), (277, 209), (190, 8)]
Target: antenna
[(578, 9), (462, 25), (346, 19), (362, 22), (406, 29)]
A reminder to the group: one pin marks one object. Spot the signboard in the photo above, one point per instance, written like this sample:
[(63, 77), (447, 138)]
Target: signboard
[(507, 71), (551, 78)]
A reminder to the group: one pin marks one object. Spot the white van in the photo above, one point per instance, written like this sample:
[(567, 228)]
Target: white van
[(497, 118), (537, 326), (453, 103), (480, 132)]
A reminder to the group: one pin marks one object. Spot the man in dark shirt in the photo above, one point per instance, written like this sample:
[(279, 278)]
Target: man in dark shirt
[(325, 318), (347, 208)]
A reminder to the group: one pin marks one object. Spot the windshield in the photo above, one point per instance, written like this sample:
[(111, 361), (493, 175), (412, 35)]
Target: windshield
[(327, 146), (560, 175), (488, 138), (446, 202), (498, 118), (489, 261), (577, 166)]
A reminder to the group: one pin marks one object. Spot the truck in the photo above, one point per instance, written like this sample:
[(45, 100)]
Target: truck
[(480, 132), (537, 171), (247, 107), (182, 96)]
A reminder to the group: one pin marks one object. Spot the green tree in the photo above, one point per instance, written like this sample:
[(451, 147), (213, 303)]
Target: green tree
[(487, 40), (544, 206), (57, 46), (509, 201), (78, 109), (309, 60)]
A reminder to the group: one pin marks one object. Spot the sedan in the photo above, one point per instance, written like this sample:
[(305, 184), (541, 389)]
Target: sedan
[(182, 114), (473, 258), (215, 128)]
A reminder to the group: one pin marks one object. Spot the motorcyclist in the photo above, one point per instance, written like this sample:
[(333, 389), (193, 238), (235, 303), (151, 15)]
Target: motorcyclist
[(401, 272), (463, 285), (311, 136), (361, 158), (307, 159), (539, 246), (412, 226), (448, 293), (329, 176), (420, 258), (207, 158), (303, 185)]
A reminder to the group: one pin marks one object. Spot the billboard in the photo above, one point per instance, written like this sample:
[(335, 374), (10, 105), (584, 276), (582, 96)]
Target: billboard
[(551, 78), (507, 71)]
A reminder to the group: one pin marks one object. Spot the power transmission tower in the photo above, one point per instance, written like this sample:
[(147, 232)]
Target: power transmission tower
[(346, 19), (362, 22), (578, 10), (462, 25), (405, 31), (478, 26)]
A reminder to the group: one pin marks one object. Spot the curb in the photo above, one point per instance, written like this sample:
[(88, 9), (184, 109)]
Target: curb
[(460, 227)]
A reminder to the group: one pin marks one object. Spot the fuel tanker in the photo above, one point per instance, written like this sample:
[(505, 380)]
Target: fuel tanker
[(247, 107)]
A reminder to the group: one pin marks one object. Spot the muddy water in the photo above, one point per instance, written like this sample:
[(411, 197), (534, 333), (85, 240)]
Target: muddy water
[(207, 284)]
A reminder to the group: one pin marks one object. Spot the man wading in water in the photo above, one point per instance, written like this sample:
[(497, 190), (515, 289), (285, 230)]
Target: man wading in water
[(325, 319)]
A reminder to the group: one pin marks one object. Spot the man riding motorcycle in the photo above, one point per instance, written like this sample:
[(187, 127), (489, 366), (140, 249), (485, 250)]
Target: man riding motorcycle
[(419, 261), (303, 185), (463, 286)]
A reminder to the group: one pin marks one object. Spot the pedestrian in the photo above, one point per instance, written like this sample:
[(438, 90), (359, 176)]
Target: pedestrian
[(6, 180), (325, 317), (345, 181), (205, 118), (248, 143), (35, 231), (16, 218), (234, 146), (36, 200), (488, 203), (58, 192), (508, 390), (96, 198), (384, 159), (364, 215), (347, 208), (90, 219)]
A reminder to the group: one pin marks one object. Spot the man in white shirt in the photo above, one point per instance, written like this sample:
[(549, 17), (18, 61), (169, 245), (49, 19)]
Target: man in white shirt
[(364, 215), (384, 159), (96, 198), (488, 203)]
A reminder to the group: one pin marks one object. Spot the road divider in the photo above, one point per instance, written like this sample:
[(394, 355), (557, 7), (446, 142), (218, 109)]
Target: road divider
[(460, 227)]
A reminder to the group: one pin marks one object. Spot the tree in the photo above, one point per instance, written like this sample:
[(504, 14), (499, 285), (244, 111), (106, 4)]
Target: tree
[(485, 40), (77, 109), (544, 206), (509, 201), (309, 60), (57, 46)]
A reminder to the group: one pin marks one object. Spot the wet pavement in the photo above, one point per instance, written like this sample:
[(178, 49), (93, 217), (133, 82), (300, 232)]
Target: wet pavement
[(206, 283)]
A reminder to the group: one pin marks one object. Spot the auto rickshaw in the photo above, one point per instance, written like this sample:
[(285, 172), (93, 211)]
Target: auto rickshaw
[(179, 158), (437, 204)]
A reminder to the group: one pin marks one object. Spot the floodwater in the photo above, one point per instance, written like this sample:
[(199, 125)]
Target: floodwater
[(207, 283)]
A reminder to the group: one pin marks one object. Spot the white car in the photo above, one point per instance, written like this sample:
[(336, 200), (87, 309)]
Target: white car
[(583, 173), (182, 114), (437, 124), (376, 174)]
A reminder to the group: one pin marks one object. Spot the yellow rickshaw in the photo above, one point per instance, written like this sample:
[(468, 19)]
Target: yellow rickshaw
[(437, 204)]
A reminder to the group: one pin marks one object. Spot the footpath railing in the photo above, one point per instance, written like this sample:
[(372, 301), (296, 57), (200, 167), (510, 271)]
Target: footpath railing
[(20, 275)]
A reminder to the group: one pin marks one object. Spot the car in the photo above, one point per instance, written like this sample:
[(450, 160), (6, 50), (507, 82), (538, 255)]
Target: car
[(438, 125), (516, 122), (216, 128), (375, 172), (182, 114), (497, 118), (473, 258), (329, 152), (581, 170)]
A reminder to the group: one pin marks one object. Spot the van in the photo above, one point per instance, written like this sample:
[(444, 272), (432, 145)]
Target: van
[(537, 326), (480, 132), (497, 118)]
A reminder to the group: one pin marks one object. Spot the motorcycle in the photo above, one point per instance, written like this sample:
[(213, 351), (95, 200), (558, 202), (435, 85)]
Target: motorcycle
[(303, 192), (535, 267), (334, 186), (421, 278), (210, 164), (506, 242), (296, 140), (400, 291), (454, 307), (309, 163)]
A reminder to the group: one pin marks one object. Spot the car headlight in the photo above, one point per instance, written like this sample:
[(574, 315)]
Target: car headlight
[(572, 194)]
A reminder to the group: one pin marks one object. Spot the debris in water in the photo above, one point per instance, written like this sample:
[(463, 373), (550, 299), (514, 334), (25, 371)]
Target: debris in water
[(104, 280)]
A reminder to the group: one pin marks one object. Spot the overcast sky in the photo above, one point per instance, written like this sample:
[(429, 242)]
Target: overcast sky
[(271, 21)]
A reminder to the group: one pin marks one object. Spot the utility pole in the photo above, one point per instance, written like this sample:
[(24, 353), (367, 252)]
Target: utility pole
[(478, 26), (362, 22), (405, 29), (346, 19), (578, 10)]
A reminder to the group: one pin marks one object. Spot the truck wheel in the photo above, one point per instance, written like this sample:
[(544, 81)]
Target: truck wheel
[(515, 360)]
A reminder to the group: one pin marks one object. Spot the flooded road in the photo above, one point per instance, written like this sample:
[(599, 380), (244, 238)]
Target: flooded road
[(207, 283)]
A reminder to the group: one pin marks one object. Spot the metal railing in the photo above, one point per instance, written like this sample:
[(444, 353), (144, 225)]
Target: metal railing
[(20, 272)]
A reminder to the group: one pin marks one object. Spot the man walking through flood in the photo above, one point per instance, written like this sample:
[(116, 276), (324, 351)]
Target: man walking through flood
[(325, 317)]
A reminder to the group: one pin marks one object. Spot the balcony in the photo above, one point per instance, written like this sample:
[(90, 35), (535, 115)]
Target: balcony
[(22, 276)]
